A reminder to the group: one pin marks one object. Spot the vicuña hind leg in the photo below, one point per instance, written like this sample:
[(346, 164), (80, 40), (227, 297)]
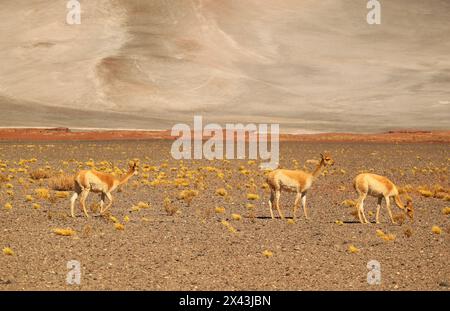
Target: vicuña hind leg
[(377, 216), (271, 201), (277, 198), (296, 203)]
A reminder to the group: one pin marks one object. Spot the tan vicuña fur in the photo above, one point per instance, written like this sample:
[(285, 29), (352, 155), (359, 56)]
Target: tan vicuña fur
[(295, 181), (380, 187), (92, 180)]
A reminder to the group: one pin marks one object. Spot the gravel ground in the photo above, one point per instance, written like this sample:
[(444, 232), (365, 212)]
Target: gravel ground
[(193, 249)]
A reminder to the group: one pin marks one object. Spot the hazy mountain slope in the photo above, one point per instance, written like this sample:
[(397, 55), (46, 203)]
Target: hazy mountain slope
[(310, 65)]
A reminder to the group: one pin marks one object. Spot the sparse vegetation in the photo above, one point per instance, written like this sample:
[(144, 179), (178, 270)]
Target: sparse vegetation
[(64, 232), (61, 182)]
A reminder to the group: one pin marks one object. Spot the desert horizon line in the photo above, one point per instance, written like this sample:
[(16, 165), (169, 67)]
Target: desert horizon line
[(287, 132)]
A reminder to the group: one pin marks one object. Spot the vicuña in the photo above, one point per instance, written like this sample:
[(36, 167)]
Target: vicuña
[(293, 181), (98, 182)]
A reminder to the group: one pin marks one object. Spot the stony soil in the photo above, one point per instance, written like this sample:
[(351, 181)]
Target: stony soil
[(194, 250)]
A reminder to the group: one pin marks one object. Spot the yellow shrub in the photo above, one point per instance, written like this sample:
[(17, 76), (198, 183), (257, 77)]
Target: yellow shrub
[(42, 193), (8, 251), (8, 206), (61, 182), (221, 191), (236, 216), (267, 253), (64, 232), (252, 196), (436, 230), (143, 205), (348, 203), (353, 249), (62, 194), (219, 210), (119, 226), (446, 211), (426, 193)]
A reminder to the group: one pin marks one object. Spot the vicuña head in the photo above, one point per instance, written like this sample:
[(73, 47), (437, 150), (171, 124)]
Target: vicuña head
[(98, 182), (379, 187), (294, 181)]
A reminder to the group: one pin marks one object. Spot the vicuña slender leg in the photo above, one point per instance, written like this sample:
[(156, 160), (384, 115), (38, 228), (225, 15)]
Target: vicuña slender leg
[(83, 197), (102, 201), (296, 203), (362, 212), (360, 203), (277, 197), (388, 206), (271, 201), (110, 198), (304, 205), (72, 204), (377, 216)]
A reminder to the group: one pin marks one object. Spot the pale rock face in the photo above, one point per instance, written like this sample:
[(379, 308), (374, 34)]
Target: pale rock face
[(308, 65)]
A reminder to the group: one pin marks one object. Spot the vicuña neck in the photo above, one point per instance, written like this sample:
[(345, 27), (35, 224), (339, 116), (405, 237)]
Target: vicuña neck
[(125, 178), (318, 169)]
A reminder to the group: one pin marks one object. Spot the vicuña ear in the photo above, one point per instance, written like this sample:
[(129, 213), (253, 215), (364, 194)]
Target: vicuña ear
[(321, 155)]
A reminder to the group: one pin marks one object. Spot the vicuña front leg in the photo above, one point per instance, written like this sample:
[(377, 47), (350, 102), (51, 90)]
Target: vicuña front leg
[(388, 207), (72, 204), (83, 198), (305, 211), (110, 198)]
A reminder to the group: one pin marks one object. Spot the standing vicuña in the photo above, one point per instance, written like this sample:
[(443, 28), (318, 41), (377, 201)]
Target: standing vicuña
[(380, 187), (294, 181), (99, 182)]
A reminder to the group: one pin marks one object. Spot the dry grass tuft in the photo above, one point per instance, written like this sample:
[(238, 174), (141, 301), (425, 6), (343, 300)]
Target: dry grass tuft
[(236, 216), (219, 210), (8, 251), (446, 211), (252, 196), (8, 206), (40, 174), (425, 193), (222, 192), (187, 196), (228, 226), (353, 249), (436, 230), (42, 193), (64, 232), (119, 226), (348, 203), (169, 207), (143, 205), (62, 194), (61, 182), (267, 253)]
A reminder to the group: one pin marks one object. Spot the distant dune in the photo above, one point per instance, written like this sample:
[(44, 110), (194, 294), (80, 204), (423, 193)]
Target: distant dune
[(313, 66)]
